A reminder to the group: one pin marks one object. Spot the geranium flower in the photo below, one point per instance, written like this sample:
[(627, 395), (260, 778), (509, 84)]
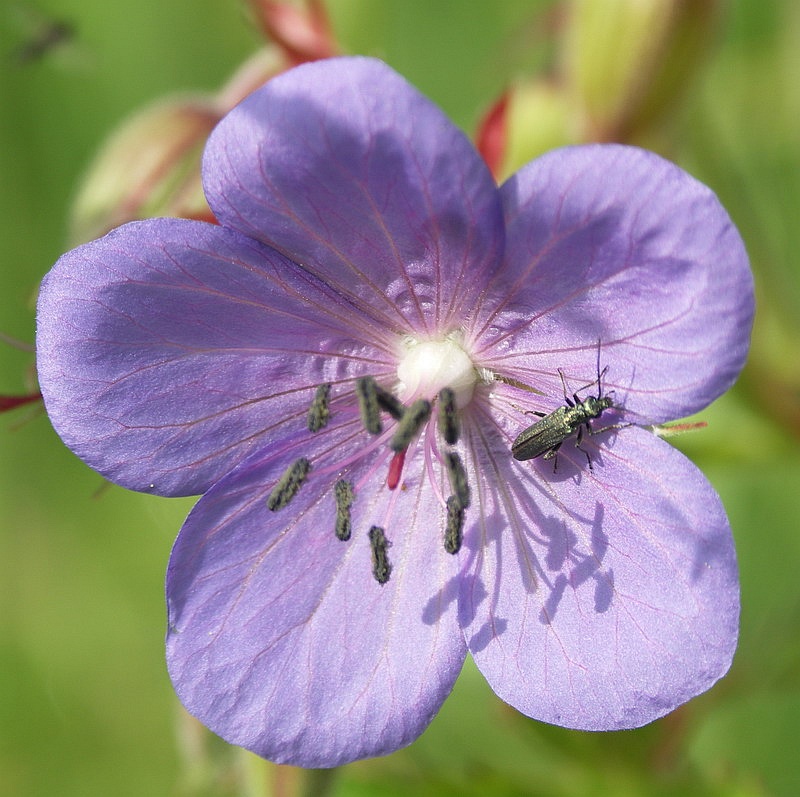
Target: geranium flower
[(365, 261)]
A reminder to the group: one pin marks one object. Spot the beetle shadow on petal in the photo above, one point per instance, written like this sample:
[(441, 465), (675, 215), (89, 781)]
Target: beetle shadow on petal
[(489, 629), (485, 634), (437, 604), (575, 567), (603, 590), (471, 586), (531, 543)]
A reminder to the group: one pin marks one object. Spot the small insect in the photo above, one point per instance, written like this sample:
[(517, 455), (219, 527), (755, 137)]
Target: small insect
[(544, 438), (45, 36)]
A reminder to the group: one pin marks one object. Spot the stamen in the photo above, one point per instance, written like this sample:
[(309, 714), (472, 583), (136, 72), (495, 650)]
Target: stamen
[(455, 525), (458, 477), (288, 484), (396, 469), (318, 412), (367, 393), (343, 490), (389, 402), (381, 567), (448, 416), (411, 422)]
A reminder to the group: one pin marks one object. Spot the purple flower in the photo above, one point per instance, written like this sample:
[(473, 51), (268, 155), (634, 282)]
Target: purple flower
[(362, 236)]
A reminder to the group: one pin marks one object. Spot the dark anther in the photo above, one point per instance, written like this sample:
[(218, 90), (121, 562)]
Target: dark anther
[(288, 484)]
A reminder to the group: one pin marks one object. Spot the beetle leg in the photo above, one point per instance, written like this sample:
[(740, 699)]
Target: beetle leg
[(580, 438), (553, 454)]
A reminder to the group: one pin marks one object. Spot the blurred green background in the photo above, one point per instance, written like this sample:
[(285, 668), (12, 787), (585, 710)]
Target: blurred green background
[(86, 707)]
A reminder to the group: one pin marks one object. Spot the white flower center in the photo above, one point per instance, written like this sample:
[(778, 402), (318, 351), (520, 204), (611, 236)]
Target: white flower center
[(427, 366)]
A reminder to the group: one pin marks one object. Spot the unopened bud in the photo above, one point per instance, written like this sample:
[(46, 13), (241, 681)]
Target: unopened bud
[(300, 30), (627, 61), (150, 166), (530, 119)]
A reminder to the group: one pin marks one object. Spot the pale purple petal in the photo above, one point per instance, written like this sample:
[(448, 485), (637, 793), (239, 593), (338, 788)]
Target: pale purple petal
[(347, 169), (614, 244), (170, 350), (608, 597), (281, 640)]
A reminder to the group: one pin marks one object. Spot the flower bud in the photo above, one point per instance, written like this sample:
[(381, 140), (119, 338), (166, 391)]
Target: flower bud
[(300, 30), (530, 119), (628, 61), (150, 166)]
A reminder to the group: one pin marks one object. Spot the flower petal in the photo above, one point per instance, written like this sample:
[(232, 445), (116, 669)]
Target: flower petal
[(614, 244), (281, 641), (169, 349), (609, 598), (346, 168)]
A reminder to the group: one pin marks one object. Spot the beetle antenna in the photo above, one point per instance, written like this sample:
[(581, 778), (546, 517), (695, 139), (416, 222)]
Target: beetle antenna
[(599, 374)]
